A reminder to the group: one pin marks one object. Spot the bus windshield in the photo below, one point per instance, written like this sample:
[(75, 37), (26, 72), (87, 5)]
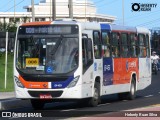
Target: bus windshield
[(40, 54)]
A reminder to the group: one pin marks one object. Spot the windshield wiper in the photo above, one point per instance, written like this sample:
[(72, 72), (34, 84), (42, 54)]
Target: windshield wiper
[(58, 43)]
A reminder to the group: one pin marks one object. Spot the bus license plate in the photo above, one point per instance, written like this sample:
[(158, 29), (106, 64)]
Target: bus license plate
[(45, 96)]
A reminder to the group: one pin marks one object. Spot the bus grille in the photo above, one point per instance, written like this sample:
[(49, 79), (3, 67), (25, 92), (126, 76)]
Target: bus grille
[(52, 93)]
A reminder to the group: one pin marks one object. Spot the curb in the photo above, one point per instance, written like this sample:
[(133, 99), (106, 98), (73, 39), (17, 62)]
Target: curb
[(13, 104)]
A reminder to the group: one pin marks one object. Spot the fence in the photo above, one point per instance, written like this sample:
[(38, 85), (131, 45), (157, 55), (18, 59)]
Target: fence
[(6, 60)]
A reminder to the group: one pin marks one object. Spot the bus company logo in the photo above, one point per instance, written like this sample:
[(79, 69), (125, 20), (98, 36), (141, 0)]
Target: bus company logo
[(45, 85), (137, 7), (130, 65), (57, 85), (95, 66)]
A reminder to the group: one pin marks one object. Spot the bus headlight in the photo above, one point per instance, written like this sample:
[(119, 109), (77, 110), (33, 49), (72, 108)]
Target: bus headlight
[(74, 82), (18, 82)]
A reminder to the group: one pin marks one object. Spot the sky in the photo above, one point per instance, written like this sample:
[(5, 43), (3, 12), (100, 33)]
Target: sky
[(147, 19)]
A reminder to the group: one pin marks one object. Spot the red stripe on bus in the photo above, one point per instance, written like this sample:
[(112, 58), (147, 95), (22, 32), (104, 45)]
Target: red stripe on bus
[(36, 23)]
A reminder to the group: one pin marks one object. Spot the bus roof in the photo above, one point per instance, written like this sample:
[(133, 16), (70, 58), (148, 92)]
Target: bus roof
[(123, 28), (142, 30)]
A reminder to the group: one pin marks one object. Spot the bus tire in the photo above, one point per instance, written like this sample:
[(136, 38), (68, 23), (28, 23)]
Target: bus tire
[(37, 104), (129, 95), (132, 92), (93, 102)]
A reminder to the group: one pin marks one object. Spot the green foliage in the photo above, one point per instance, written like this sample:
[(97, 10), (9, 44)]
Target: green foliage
[(10, 27), (10, 83)]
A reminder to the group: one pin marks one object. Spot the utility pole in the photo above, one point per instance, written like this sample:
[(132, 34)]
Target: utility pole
[(53, 10), (85, 10), (14, 9), (123, 10), (50, 10), (70, 9), (33, 13)]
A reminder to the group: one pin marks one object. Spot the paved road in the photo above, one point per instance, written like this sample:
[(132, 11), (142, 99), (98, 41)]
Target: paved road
[(110, 104)]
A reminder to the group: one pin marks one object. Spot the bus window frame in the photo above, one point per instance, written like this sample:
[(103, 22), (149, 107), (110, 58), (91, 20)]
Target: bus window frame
[(98, 45), (136, 45), (106, 45), (144, 47), (118, 45), (126, 44), (147, 46)]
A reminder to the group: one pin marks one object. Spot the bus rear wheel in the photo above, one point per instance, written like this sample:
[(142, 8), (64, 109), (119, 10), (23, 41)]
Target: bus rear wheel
[(93, 102), (37, 104), (132, 93)]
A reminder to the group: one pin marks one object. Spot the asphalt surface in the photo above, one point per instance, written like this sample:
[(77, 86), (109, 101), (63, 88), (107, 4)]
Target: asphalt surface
[(111, 107)]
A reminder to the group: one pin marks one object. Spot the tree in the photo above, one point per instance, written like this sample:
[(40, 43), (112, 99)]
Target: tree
[(10, 27), (25, 19)]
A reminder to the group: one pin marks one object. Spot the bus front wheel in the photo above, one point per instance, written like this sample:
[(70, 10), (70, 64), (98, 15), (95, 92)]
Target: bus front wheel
[(93, 102)]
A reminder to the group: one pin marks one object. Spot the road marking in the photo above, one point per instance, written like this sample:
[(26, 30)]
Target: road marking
[(148, 96), (103, 104), (69, 110), (156, 105)]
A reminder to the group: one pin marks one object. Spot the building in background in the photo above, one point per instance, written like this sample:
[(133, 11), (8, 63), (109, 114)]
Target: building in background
[(83, 10)]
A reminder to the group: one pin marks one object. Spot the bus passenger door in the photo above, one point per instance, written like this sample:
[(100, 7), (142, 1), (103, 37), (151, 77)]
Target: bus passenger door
[(87, 60)]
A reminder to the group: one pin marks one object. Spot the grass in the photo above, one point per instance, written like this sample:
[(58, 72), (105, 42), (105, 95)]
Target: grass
[(10, 83)]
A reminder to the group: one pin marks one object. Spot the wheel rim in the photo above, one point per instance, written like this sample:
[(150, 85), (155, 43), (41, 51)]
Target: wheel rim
[(132, 89), (95, 97)]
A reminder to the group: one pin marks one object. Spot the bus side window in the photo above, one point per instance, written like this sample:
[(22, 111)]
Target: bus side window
[(142, 48), (115, 45), (97, 44), (134, 45), (124, 46), (147, 46), (105, 45)]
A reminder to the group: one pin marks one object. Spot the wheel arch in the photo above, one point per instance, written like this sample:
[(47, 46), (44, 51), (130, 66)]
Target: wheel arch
[(98, 80)]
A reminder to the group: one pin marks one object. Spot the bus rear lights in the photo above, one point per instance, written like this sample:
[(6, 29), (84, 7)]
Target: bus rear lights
[(19, 84), (74, 82)]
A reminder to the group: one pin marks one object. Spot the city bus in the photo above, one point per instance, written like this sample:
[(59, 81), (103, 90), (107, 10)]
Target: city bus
[(70, 60)]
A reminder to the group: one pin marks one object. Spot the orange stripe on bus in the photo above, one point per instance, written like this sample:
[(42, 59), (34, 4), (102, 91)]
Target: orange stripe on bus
[(34, 85), (36, 23)]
